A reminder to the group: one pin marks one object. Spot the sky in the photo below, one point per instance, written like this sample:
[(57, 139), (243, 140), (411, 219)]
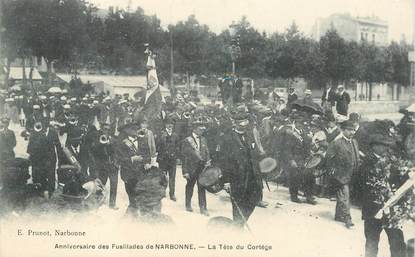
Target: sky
[(274, 15)]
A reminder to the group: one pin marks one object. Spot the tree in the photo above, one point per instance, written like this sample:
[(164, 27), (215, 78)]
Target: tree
[(252, 43), (334, 50), (288, 55), (374, 65)]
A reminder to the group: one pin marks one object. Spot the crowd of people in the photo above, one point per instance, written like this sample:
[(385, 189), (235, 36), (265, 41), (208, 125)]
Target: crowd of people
[(77, 144)]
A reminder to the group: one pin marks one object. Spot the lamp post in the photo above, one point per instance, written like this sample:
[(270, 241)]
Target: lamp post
[(234, 49)]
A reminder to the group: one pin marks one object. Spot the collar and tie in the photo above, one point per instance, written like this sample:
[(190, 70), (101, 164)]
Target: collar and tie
[(197, 140)]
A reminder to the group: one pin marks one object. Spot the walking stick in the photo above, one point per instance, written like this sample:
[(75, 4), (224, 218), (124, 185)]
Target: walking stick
[(266, 183), (240, 213)]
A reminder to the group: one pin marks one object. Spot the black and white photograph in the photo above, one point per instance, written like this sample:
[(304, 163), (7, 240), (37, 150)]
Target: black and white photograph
[(281, 128)]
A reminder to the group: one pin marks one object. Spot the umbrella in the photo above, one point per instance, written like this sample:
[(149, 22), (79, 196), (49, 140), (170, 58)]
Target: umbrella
[(55, 90), (308, 106)]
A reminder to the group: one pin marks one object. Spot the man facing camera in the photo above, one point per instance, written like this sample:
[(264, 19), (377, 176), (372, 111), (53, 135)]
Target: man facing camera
[(343, 158), (195, 158)]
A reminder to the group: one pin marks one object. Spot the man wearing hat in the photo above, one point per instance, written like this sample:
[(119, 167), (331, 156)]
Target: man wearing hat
[(328, 99), (129, 159), (294, 149), (168, 145), (34, 118), (308, 97), (343, 158), (195, 157), (292, 97), (342, 101), (143, 180), (240, 169), (44, 149), (7, 141), (381, 174), (103, 161)]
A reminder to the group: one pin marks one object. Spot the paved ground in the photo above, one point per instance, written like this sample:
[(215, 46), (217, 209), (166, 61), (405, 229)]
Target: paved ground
[(290, 229)]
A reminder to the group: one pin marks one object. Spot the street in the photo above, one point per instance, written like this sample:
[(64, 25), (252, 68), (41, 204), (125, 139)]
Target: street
[(283, 229)]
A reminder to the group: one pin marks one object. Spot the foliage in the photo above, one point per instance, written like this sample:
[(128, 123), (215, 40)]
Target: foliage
[(75, 35)]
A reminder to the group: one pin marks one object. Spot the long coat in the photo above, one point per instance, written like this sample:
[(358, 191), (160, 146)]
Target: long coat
[(125, 149), (240, 166), (44, 149), (341, 158), (342, 105), (331, 98), (192, 157), (168, 147), (7, 145)]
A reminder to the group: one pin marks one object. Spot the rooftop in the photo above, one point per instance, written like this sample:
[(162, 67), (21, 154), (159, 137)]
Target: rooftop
[(115, 81)]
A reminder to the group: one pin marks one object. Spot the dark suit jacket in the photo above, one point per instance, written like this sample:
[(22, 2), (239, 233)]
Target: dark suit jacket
[(339, 157), (125, 149), (294, 147), (331, 97), (41, 147), (102, 155), (193, 158), (291, 98), (167, 147), (7, 145), (240, 164)]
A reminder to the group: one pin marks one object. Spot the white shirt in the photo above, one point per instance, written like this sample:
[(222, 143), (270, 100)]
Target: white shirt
[(327, 93), (197, 140), (134, 141)]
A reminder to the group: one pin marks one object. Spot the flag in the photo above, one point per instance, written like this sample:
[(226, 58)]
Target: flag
[(153, 98)]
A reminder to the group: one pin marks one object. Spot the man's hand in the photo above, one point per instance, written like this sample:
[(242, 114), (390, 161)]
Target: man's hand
[(147, 166), (137, 158), (186, 176), (227, 187), (208, 163), (293, 164)]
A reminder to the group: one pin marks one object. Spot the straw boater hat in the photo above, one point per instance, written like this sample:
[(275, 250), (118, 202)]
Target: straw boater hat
[(267, 165)]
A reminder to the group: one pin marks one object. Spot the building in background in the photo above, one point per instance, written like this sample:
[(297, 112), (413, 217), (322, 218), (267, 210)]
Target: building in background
[(358, 29)]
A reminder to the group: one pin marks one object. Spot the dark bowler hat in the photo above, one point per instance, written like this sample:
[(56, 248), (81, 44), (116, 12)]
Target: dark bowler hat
[(348, 124), (198, 122), (240, 116), (129, 124)]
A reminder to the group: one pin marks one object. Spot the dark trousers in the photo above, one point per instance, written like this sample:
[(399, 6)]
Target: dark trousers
[(297, 179), (132, 196), (170, 168), (111, 173), (343, 203), (308, 183), (243, 207), (373, 229), (45, 175), (294, 182), (200, 190)]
